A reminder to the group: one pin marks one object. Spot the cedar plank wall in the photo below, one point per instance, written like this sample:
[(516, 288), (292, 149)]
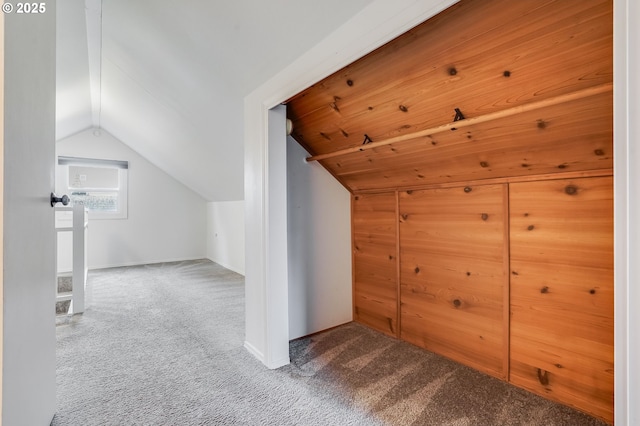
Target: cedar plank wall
[(452, 276), (460, 272), (562, 291), (375, 284)]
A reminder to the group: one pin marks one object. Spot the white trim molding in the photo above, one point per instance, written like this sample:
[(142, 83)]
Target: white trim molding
[(378, 23), (626, 210)]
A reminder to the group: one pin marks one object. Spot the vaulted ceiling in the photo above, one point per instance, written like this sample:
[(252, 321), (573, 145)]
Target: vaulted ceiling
[(168, 78)]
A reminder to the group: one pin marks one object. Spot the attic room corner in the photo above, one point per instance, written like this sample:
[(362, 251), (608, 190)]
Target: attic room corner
[(166, 221)]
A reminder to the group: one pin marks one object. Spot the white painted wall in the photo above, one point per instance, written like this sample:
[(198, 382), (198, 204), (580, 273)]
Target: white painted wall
[(277, 266), (319, 232), (266, 237), (166, 221), (28, 359), (373, 26), (225, 234)]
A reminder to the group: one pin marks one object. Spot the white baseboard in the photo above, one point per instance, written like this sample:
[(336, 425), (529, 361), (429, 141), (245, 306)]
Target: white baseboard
[(229, 267), (253, 351), (144, 262), (272, 365)]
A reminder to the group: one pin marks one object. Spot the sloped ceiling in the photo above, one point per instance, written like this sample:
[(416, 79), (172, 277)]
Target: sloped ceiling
[(172, 75), (532, 81)]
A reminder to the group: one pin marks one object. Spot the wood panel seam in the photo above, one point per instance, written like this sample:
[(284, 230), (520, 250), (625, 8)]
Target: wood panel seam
[(507, 285), (398, 277), (493, 181)]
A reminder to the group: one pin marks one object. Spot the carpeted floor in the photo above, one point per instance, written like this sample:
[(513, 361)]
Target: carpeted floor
[(163, 345)]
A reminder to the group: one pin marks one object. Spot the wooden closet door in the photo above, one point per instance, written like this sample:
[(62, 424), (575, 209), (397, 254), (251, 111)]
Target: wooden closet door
[(453, 273), (375, 282), (562, 291)]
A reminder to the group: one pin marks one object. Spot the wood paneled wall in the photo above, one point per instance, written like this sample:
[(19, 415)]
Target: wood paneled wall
[(562, 291), (375, 248), (453, 257), (478, 148), (513, 279), (571, 136)]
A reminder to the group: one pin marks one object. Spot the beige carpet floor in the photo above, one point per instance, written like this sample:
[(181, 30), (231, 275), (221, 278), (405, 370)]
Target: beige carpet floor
[(163, 345)]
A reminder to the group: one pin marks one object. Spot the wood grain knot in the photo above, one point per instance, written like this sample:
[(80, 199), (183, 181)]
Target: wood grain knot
[(468, 189), (405, 216), (507, 73), (349, 83), (543, 377), (403, 108), (563, 166), (417, 270), (484, 164), (530, 228), (598, 152), (542, 124), (452, 71), (468, 274), (592, 291), (356, 197), (544, 290), (457, 303), (571, 190), (409, 192), (484, 216), (334, 107), (390, 257)]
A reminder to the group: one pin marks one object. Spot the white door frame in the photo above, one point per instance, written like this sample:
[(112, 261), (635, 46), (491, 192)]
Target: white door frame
[(626, 142), (376, 24), (266, 325)]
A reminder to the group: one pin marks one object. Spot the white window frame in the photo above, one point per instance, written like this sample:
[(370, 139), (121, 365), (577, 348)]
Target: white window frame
[(122, 190)]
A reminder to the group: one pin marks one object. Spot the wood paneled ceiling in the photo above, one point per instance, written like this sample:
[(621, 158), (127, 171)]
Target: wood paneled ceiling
[(532, 80)]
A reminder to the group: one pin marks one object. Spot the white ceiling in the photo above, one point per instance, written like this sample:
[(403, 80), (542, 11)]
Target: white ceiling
[(171, 76)]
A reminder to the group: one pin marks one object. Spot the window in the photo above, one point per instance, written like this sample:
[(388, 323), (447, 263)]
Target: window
[(101, 185)]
